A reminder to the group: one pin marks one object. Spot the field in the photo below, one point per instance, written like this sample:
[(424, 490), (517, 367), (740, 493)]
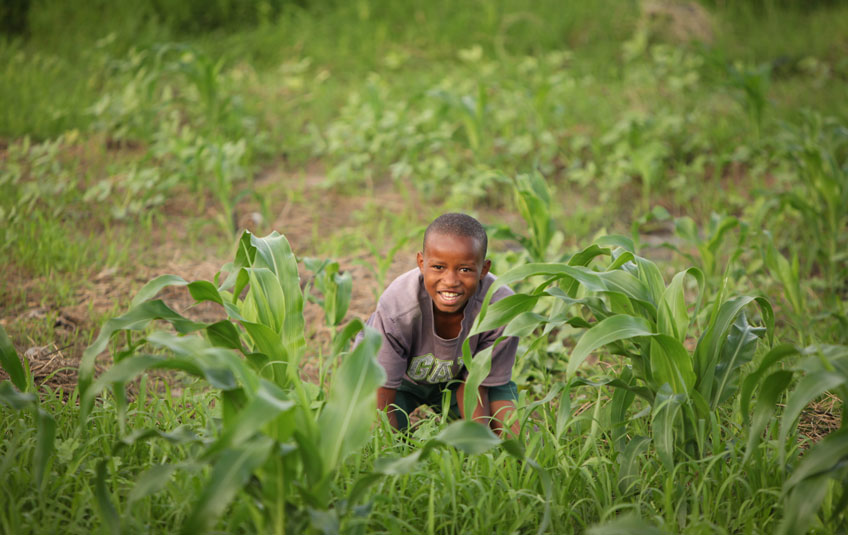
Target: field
[(200, 205)]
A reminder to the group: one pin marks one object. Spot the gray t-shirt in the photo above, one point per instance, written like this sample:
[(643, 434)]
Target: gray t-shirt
[(413, 351)]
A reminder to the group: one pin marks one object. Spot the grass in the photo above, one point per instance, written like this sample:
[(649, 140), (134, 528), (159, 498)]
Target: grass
[(135, 142)]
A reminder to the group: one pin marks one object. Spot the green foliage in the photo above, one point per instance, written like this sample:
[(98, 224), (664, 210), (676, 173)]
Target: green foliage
[(335, 287), (647, 322)]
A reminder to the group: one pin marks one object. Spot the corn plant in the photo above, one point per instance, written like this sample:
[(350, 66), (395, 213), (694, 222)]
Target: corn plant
[(275, 428), (648, 322), (533, 199), (335, 287)]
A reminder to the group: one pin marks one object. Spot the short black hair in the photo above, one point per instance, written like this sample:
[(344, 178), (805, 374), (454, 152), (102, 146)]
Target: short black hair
[(456, 224)]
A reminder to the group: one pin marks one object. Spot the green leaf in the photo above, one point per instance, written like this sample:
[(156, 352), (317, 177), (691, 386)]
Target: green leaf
[(524, 324), (229, 474), (478, 366), (275, 252), (664, 422), (266, 404), (628, 463), (342, 338), (468, 436), (770, 391), (136, 319), (45, 436), (585, 276), (14, 399), (564, 411), (616, 240), (10, 362), (670, 363), (738, 350), (612, 329), (266, 341), (266, 300), (641, 391), (775, 355), (672, 315), (345, 422), (503, 311), (822, 458), (108, 513), (205, 291), (151, 481), (152, 288), (224, 334), (626, 284), (709, 349)]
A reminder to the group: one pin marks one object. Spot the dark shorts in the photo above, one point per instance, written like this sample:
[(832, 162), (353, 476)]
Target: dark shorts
[(410, 395)]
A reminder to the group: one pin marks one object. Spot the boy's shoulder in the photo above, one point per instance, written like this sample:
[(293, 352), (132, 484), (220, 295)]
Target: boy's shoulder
[(402, 296)]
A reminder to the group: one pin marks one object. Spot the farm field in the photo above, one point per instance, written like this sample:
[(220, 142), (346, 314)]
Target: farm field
[(201, 204)]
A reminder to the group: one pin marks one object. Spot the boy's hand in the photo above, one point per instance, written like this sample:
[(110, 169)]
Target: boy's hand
[(385, 398)]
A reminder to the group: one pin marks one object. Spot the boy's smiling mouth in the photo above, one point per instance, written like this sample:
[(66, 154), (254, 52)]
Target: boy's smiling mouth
[(450, 298)]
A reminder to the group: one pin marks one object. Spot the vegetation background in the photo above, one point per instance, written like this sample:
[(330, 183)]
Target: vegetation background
[(674, 173)]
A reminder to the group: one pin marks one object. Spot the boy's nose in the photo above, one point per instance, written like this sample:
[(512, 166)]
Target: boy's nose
[(451, 279)]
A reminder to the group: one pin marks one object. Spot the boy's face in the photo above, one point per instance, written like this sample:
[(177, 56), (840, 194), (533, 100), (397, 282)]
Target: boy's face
[(452, 267)]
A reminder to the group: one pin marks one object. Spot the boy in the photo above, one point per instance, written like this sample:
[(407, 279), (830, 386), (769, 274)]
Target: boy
[(424, 317)]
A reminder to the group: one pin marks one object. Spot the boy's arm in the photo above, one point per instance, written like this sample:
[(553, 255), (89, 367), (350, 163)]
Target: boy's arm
[(481, 412), (385, 398)]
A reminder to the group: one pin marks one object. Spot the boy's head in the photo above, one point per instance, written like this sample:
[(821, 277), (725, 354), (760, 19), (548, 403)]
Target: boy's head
[(453, 260)]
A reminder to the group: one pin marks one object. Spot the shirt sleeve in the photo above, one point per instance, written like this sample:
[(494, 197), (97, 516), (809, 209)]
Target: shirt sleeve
[(503, 356), (393, 352)]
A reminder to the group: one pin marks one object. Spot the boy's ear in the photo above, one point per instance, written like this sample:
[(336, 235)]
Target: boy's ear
[(420, 259), (487, 265)]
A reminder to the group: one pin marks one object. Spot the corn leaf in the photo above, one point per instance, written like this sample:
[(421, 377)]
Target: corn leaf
[(13, 398), (612, 329), (346, 419), (672, 315), (268, 403), (229, 474), (628, 463), (663, 422), (10, 362), (45, 436), (752, 380), (478, 366), (772, 387), (671, 363), (136, 319), (503, 311), (709, 349), (738, 350), (274, 252), (151, 481), (153, 287), (103, 500)]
